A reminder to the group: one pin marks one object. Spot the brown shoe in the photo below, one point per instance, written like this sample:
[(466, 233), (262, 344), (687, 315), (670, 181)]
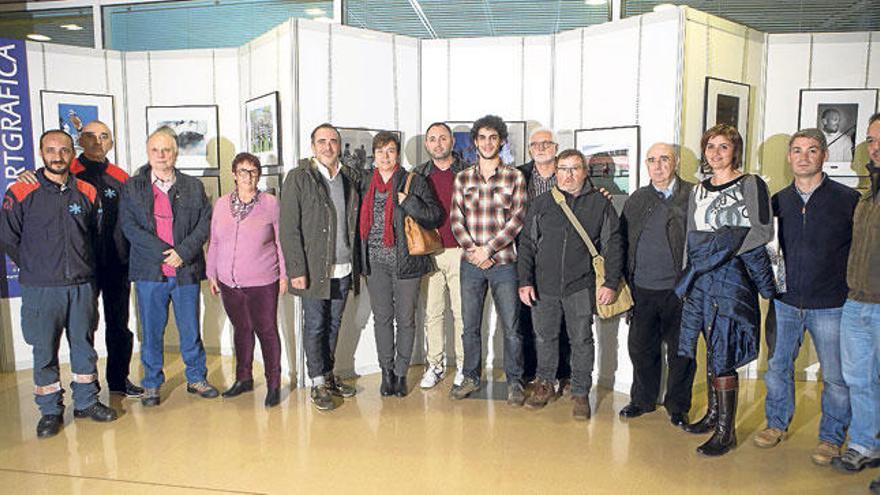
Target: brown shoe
[(769, 437), (824, 452), (581, 410), (542, 393)]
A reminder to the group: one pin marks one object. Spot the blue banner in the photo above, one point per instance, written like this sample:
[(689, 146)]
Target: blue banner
[(16, 135)]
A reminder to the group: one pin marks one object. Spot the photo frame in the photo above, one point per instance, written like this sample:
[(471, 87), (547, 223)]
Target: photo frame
[(70, 111), (271, 183), (357, 146), (727, 102), (842, 115), (262, 124), (197, 132), (612, 155), (212, 186), (513, 152)]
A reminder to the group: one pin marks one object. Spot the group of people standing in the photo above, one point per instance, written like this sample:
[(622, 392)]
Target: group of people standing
[(695, 256)]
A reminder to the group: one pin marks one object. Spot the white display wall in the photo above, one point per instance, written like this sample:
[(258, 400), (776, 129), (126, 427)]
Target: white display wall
[(647, 71)]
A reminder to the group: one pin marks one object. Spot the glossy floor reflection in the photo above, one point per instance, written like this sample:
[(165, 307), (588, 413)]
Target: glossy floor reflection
[(422, 443)]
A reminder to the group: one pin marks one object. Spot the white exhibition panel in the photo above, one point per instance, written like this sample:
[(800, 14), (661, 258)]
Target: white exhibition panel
[(485, 77), (567, 86), (409, 98), (537, 83), (611, 74), (435, 82), (313, 73), (362, 79)]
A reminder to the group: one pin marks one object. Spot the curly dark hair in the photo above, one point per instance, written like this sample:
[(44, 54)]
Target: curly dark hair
[(493, 122)]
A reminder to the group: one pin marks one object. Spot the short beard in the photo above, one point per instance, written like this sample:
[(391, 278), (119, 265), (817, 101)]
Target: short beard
[(494, 155)]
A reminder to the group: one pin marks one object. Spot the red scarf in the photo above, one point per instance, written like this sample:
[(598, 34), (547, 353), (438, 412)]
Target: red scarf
[(376, 184)]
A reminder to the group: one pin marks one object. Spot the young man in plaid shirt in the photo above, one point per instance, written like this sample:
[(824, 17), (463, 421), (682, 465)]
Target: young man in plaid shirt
[(488, 207)]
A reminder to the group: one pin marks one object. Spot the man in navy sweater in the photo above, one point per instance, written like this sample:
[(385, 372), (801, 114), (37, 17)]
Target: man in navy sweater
[(815, 217)]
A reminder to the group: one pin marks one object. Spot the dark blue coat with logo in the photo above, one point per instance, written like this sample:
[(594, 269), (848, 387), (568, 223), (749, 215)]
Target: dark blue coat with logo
[(720, 293)]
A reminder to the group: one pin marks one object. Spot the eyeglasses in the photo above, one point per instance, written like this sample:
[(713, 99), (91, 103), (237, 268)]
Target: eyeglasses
[(662, 159), (567, 170), (542, 144), (246, 172)]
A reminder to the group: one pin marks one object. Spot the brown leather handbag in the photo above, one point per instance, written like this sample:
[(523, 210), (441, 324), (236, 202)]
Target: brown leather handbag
[(419, 240)]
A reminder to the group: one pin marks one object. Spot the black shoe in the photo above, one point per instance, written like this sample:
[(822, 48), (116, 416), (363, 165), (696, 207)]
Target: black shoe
[(239, 387), (129, 390), (322, 399), (49, 425), (400, 388), (678, 419), (724, 437), (707, 422), (98, 412), (388, 382), (632, 410), (852, 461), (150, 397), (273, 397)]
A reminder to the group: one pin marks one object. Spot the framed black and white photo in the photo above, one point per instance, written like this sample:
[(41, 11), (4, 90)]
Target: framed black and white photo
[(197, 132), (513, 152), (357, 146), (842, 115), (262, 124), (727, 102), (71, 111), (612, 155)]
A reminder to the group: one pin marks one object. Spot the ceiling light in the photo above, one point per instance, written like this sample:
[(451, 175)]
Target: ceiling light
[(596, 2), (315, 12), (38, 37), (72, 27), (664, 6)]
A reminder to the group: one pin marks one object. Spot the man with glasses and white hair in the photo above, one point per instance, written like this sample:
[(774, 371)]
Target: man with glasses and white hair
[(653, 227)]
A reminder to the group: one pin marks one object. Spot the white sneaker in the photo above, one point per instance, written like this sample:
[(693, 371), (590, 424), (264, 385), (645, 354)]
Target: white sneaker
[(459, 377), (433, 376)]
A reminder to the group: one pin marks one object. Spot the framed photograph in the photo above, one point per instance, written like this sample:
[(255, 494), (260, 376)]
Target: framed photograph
[(197, 132), (612, 155), (71, 111), (212, 187), (726, 102), (357, 146), (842, 115), (262, 124), (513, 152), (271, 184)]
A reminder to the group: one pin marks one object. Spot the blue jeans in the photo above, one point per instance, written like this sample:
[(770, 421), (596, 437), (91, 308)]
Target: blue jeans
[(321, 321), (503, 282), (152, 299), (824, 328), (860, 349)]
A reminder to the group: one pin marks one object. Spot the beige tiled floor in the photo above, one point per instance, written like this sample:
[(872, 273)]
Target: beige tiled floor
[(423, 443)]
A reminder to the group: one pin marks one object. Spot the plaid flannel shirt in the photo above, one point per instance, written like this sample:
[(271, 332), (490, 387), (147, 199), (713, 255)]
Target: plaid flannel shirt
[(489, 212)]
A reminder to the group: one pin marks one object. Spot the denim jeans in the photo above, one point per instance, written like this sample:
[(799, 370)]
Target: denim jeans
[(860, 350), (45, 313), (824, 328), (321, 321), (502, 280), (576, 312), (152, 299)]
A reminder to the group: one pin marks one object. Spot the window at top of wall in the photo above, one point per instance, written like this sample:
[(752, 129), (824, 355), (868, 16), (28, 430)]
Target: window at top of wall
[(473, 18), (201, 23), (63, 26), (779, 16)]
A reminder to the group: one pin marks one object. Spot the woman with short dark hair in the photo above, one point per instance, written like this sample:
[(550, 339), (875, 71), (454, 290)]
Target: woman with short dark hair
[(246, 267), (393, 274), (730, 221)]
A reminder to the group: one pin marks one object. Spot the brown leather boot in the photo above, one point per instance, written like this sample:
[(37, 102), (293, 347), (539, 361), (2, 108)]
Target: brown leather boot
[(707, 422), (724, 437)]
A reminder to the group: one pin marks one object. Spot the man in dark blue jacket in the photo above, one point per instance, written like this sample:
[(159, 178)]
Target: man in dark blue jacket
[(48, 229), (166, 217), (815, 231)]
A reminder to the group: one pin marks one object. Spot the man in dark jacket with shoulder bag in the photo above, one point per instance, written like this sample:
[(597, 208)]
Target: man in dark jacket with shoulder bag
[(653, 227), (557, 280), (166, 217)]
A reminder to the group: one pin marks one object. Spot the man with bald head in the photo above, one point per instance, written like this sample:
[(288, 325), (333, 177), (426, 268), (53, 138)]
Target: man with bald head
[(49, 229), (166, 217), (653, 226), (93, 166)]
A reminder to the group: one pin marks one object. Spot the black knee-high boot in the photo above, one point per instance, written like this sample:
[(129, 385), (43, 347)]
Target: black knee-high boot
[(707, 423), (724, 438)]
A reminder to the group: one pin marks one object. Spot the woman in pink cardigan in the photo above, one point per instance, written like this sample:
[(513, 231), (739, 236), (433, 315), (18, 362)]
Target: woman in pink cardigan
[(246, 267)]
